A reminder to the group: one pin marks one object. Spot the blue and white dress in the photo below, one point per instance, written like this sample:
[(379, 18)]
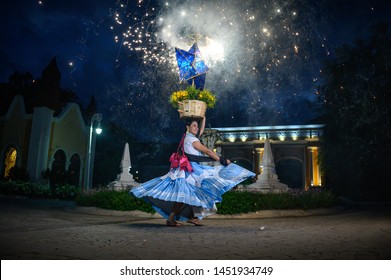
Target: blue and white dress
[(199, 190)]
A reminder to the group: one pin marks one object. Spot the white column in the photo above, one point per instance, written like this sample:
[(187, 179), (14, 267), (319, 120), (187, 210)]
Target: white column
[(39, 142)]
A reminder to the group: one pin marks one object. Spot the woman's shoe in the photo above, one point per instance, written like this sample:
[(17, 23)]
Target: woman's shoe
[(195, 222), (173, 224)]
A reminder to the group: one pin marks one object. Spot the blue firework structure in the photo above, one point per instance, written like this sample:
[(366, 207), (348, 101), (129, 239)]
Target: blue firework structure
[(192, 67)]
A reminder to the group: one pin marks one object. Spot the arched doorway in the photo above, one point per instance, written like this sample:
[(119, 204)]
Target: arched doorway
[(73, 177), (58, 169), (9, 161), (290, 172)]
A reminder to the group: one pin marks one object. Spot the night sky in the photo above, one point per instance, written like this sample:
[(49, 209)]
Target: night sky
[(265, 57)]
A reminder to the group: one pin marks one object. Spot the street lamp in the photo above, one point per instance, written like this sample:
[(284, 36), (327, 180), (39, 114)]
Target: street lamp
[(95, 118)]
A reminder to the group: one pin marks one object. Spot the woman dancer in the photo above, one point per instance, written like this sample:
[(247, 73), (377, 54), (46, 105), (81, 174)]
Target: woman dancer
[(190, 196)]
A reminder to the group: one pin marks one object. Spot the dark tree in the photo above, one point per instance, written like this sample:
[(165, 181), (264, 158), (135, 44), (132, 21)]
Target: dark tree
[(355, 99), (108, 153)]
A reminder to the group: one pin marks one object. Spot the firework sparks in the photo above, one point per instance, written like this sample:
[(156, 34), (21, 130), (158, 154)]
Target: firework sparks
[(241, 38), (260, 54)]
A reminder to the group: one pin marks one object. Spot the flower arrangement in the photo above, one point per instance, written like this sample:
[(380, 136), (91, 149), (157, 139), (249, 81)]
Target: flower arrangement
[(191, 93)]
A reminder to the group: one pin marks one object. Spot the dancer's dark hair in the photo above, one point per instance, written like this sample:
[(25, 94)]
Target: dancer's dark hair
[(188, 121)]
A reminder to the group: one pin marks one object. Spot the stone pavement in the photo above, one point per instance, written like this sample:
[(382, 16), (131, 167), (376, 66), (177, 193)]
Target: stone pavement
[(42, 229)]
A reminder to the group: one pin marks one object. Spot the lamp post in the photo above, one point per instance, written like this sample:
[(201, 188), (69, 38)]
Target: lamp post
[(95, 118)]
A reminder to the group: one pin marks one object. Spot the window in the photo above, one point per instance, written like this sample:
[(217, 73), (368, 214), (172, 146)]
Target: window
[(10, 161)]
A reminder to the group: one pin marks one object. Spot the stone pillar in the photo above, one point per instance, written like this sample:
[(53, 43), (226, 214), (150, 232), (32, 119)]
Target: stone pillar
[(308, 175), (259, 160), (314, 167), (209, 138), (39, 142)]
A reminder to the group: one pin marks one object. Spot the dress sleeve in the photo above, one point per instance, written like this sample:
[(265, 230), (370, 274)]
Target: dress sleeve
[(189, 140), (193, 139)]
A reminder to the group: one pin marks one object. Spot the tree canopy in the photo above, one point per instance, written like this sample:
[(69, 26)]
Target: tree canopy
[(355, 100)]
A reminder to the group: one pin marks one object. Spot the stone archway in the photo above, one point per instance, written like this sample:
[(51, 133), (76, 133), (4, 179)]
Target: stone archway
[(9, 161), (57, 175), (290, 172)]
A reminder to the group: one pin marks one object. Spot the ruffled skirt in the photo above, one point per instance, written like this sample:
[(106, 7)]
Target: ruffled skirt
[(198, 190)]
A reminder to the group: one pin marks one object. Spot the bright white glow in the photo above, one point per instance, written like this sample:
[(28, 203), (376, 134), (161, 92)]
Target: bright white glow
[(262, 136), (213, 51), (98, 130), (294, 135)]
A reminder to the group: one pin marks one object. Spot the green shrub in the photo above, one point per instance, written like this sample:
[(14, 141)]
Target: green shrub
[(244, 202), (25, 188), (86, 199), (236, 202), (66, 192), (316, 199), (114, 200), (275, 201), (36, 190)]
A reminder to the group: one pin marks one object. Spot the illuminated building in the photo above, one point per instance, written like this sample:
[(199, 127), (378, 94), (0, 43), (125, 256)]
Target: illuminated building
[(39, 132), (295, 150)]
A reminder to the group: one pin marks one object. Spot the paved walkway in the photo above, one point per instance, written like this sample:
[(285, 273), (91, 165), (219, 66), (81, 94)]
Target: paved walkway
[(38, 229)]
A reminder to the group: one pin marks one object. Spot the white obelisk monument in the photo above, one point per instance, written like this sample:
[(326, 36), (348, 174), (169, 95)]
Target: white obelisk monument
[(268, 180), (124, 179)]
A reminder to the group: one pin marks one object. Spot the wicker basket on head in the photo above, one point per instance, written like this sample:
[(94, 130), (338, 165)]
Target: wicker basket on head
[(191, 109)]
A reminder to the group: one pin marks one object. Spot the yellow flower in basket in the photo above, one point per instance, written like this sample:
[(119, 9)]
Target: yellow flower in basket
[(192, 102), (191, 93)]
